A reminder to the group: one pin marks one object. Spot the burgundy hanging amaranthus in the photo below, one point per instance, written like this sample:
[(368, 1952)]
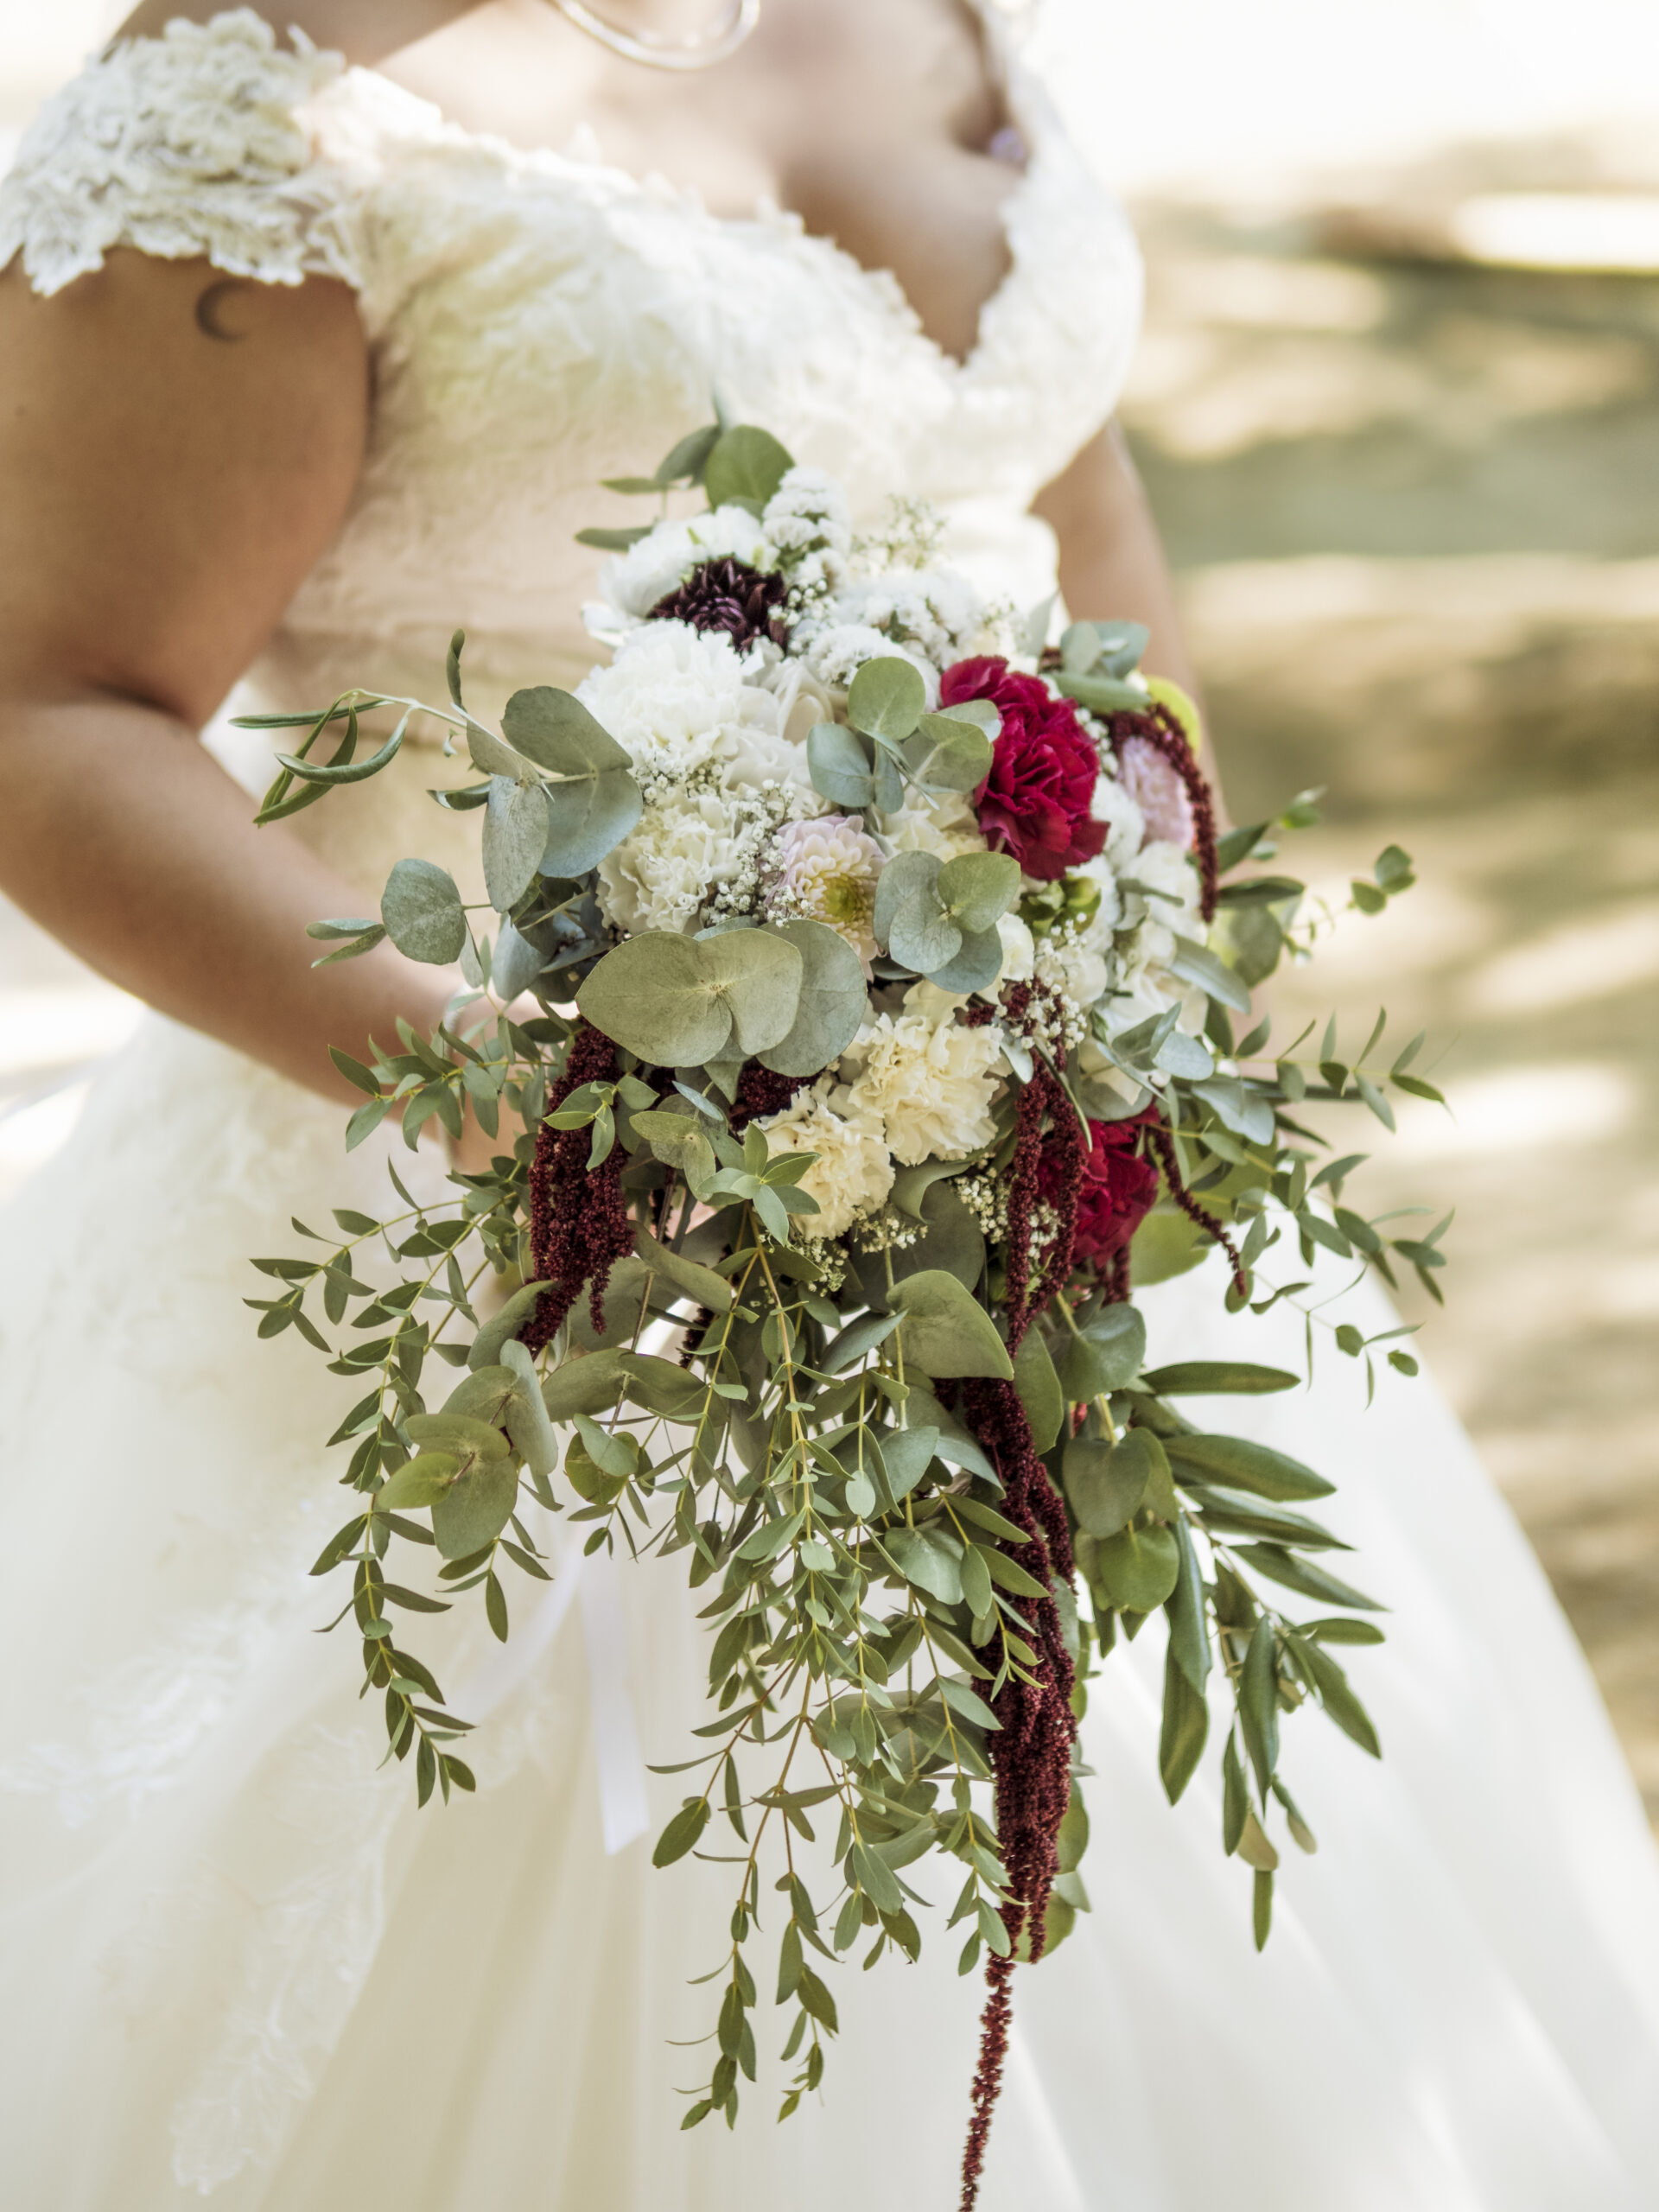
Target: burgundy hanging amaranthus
[(1031, 1754), (579, 1225)]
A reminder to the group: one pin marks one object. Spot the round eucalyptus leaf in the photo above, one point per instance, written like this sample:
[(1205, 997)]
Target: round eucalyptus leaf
[(977, 963), (976, 889), (503, 1326), (492, 757), (554, 729), (839, 766), (1105, 1482), (458, 1433), (758, 974), (904, 873), (422, 910), (417, 1482), (887, 697), (745, 465), (946, 754), (833, 1001), (656, 996), (923, 935), (1137, 1568), (515, 963), (476, 1507), (515, 833), (527, 1415), (945, 1330), (587, 817)]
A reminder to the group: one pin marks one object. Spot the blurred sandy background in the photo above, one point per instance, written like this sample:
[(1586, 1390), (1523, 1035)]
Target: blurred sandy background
[(1398, 407)]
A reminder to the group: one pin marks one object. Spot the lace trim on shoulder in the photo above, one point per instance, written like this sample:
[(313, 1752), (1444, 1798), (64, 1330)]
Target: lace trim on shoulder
[(183, 145)]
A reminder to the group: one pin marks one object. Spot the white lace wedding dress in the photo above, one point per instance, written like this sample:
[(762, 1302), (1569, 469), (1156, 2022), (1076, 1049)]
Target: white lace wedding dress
[(233, 1960)]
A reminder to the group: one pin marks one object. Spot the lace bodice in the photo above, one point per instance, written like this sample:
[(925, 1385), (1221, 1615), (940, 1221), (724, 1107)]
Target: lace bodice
[(540, 320)]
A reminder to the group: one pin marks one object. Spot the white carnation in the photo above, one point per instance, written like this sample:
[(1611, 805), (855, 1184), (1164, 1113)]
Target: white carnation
[(632, 582), (1114, 806), (679, 699), (834, 651), (665, 870), (946, 825), (853, 1173), (932, 1083)]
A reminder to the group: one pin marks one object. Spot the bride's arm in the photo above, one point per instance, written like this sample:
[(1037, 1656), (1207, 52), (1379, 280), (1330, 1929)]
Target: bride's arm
[(1112, 561), (162, 493)]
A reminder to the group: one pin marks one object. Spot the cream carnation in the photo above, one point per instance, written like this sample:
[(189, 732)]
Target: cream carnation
[(932, 1083), (946, 825), (666, 869), (679, 699), (852, 1174)]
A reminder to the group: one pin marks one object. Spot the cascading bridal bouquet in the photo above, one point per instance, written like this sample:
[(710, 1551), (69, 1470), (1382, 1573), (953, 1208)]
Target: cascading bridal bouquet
[(887, 968)]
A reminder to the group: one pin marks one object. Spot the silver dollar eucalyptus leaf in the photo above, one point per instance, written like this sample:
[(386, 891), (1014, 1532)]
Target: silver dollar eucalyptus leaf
[(832, 1003), (515, 835), (422, 910)]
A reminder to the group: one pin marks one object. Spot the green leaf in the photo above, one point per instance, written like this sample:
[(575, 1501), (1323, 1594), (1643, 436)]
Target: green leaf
[(1235, 1512), (615, 541), (422, 910), (929, 1567), (1205, 1377), (417, 1482), (1296, 1573), (948, 752), (839, 767), (745, 465), (832, 1003), (1137, 1568), (1245, 1465), (515, 831), (877, 1880), (590, 1384), (1105, 1356), (365, 1121), (922, 935), (907, 1454), (1185, 1728), (1258, 1703), (476, 1507), (946, 1332), (1040, 1390), (596, 801), (354, 1071), (686, 460), (1338, 1699), (1189, 1631), (856, 1341), (1107, 1482), (1194, 963), (683, 1274), (525, 1414), (905, 874), (676, 1001), (886, 698), (976, 889), (681, 1831), (487, 1345), (976, 963)]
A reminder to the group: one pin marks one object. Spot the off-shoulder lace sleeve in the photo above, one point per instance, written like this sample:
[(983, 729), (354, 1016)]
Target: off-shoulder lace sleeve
[(192, 143)]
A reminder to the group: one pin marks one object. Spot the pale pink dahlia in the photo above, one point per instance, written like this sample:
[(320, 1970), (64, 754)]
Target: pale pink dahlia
[(826, 872)]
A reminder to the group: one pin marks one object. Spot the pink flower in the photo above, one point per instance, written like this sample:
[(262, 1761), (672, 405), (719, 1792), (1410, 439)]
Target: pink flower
[(1035, 802), (1156, 788)]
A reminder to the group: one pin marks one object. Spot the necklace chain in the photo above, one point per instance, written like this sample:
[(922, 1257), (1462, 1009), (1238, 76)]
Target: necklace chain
[(700, 52)]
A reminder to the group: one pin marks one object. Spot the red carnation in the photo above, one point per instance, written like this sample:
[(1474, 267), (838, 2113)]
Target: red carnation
[(1035, 802), (1118, 1188)]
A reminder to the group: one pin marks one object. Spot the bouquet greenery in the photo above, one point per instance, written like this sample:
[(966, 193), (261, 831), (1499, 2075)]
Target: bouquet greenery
[(885, 969)]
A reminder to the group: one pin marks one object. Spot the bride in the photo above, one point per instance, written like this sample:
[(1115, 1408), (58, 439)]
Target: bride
[(301, 365)]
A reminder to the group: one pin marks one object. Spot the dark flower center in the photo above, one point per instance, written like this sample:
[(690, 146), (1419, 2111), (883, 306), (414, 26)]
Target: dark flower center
[(729, 596)]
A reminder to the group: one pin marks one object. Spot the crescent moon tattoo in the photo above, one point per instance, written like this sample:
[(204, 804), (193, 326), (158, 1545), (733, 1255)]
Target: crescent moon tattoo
[(207, 308)]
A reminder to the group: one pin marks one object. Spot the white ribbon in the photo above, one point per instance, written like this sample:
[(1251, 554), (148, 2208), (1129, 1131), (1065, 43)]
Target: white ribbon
[(625, 1814)]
